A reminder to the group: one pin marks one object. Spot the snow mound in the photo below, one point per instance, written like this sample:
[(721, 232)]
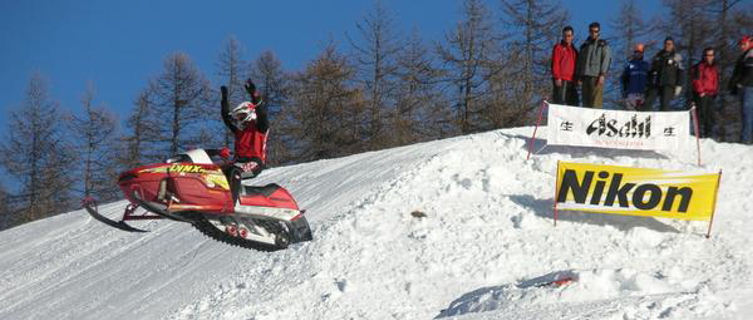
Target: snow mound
[(452, 228)]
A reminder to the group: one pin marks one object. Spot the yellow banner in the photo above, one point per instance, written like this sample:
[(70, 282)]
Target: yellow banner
[(636, 191)]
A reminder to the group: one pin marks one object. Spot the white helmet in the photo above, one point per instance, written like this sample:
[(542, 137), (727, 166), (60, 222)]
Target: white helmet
[(244, 112)]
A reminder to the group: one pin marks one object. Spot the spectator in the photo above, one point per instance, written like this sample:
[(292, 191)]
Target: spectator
[(592, 66), (634, 79), (564, 56), (665, 77), (705, 77), (741, 84)]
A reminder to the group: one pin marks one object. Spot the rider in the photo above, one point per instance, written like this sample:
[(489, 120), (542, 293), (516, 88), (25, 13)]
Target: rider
[(250, 125)]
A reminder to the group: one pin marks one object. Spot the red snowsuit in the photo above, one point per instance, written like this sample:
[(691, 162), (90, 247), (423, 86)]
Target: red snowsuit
[(563, 61), (251, 140), (705, 78)]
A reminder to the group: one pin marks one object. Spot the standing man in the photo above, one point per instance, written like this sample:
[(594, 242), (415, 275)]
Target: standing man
[(564, 56), (705, 77), (593, 64), (666, 76), (741, 84), (634, 79)]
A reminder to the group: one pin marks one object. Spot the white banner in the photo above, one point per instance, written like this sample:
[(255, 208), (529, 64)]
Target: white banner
[(576, 126)]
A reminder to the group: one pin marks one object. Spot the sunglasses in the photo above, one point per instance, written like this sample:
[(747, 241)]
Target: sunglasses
[(593, 31)]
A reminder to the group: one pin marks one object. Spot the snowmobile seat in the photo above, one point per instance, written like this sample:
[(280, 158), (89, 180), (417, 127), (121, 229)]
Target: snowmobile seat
[(265, 190)]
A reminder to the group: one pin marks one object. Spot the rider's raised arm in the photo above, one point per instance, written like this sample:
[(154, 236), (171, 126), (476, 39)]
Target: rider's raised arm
[(262, 118), (225, 111)]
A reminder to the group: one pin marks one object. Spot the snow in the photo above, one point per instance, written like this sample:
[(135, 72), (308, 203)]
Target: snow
[(484, 250)]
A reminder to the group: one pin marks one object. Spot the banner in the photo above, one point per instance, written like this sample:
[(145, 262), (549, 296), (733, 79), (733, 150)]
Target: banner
[(636, 191), (575, 126)]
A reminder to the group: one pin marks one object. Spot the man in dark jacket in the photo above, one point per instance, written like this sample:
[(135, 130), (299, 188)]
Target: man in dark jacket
[(250, 125), (634, 79), (666, 76), (564, 56), (741, 84), (593, 63), (705, 78)]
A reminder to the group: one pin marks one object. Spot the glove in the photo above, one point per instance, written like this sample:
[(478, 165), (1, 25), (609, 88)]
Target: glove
[(678, 90), (225, 152), (223, 89), (250, 87)]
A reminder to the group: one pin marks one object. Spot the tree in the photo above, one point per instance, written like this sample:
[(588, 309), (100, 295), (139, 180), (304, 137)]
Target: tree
[(181, 102), (325, 109), (230, 64), (468, 49), (535, 27), (143, 130), (36, 153), (5, 213), (375, 55), (419, 108), (272, 84), (94, 135), (630, 27)]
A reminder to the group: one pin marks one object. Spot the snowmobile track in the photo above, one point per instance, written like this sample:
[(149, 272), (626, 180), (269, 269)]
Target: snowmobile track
[(208, 229)]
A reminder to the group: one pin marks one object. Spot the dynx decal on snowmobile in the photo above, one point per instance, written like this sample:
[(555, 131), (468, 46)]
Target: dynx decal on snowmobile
[(191, 188)]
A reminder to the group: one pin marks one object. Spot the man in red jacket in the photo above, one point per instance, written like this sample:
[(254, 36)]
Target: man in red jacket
[(564, 56), (250, 125), (705, 88)]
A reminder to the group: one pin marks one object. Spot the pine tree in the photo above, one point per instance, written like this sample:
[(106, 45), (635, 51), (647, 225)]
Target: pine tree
[(230, 64), (468, 49), (36, 153), (5, 213), (182, 104), (94, 135), (144, 130), (419, 109), (272, 83), (534, 27), (630, 26), (325, 108), (375, 52)]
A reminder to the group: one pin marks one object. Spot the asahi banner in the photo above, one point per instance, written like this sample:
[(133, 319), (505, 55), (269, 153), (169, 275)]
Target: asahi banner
[(636, 191), (575, 126)]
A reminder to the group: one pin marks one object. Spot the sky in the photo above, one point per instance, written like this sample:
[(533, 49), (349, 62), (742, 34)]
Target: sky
[(120, 45)]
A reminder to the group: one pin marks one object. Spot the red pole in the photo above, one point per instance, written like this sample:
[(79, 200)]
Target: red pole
[(538, 122), (697, 133), (713, 208)]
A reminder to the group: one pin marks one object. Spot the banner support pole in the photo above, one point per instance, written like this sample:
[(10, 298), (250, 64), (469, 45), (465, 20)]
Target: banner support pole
[(536, 128), (556, 191), (713, 209), (694, 111)]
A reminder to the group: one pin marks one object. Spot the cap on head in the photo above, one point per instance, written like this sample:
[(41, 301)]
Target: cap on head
[(745, 39)]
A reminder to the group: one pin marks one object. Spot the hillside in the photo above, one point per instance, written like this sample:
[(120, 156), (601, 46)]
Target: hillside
[(485, 243)]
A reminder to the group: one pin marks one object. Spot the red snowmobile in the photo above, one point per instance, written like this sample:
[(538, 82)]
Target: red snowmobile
[(191, 187)]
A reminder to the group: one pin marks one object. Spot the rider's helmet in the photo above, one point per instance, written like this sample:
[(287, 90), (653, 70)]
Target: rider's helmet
[(243, 113)]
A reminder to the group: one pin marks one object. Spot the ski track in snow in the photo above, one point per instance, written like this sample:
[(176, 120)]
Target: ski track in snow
[(486, 240)]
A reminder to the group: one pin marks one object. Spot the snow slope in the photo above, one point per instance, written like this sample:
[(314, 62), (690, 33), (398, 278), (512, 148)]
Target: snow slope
[(482, 250)]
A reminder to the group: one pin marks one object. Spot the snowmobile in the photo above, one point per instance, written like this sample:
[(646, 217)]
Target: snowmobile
[(190, 187)]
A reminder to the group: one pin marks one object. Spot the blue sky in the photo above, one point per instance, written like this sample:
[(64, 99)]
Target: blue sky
[(119, 45)]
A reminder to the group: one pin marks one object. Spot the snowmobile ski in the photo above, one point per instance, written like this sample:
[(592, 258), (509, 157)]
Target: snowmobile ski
[(119, 224)]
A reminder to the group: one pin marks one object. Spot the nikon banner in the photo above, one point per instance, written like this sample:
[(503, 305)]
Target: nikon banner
[(635, 191), (586, 127)]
